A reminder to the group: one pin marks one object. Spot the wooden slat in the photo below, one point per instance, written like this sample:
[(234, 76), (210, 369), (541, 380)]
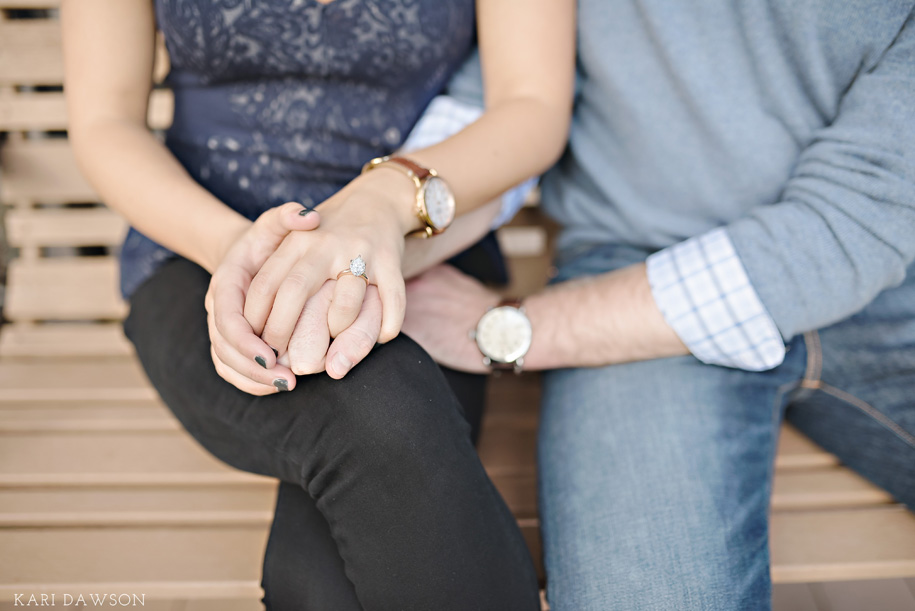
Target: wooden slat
[(519, 492), (797, 452), (509, 449), (250, 503), (64, 289), (42, 171), (838, 545), (27, 111), (48, 111), (29, 381), (72, 408), (793, 597), (864, 595), (165, 456), (65, 227), (530, 530), (31, 54), (830, 487), (64, 340), (97, 419), (509, 394), (29, 3), (165, 562), (529, 241)]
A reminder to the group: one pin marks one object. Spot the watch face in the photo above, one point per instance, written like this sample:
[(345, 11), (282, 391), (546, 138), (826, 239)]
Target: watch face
[(504, 334), (439, 202)]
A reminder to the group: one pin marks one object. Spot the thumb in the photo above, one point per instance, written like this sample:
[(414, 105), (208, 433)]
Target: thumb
[(291, 216)]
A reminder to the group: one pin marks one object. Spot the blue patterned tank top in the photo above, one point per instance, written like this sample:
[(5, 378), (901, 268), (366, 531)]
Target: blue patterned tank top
[(284, 100)]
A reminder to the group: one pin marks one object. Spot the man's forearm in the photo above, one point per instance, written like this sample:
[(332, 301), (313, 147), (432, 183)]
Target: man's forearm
[(600, 320), (421, 254)]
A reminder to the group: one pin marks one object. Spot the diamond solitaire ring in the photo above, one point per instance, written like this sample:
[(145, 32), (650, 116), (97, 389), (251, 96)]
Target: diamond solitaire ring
[(356, 268)]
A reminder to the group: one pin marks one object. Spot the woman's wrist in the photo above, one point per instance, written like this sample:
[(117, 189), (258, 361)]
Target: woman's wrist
[(222, 235), (395, 194)]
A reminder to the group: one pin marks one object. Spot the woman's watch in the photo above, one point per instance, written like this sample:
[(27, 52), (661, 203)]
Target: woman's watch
[(434, 198), (504, 335)]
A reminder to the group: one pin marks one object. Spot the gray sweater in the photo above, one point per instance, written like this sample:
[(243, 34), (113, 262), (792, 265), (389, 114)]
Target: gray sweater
[(791, 123)]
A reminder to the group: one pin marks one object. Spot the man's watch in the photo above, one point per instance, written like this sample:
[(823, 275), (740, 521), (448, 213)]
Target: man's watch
[(434, 198), (504, 335)]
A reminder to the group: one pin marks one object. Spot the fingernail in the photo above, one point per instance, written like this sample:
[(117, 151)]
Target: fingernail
[(261, 361), (281, 384), (275, 351), (305, 212), (341, 364)]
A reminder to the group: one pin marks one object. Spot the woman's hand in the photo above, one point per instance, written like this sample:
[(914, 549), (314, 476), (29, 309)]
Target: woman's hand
[(367, 218), (240, 356)]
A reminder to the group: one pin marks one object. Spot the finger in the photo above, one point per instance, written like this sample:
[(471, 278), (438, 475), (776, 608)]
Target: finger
[(279, 377), (346, 304), (225, 308), (273, 261), (356, 341), (239, 381), (393, 303), (262, 291), (310, 338), (302, 281), (291, 216)]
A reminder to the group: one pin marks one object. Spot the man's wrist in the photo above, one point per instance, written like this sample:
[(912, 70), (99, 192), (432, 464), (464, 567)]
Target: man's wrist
[(503, 334)]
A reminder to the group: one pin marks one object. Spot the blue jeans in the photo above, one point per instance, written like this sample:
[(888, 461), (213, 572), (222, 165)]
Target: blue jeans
[(655, 476)]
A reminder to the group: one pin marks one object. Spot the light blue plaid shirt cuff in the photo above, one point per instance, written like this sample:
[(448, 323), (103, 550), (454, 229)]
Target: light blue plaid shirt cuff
[(704, 293), (446, 116)]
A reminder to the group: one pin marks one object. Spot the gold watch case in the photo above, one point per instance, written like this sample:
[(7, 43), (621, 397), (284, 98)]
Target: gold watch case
[(435, 206)]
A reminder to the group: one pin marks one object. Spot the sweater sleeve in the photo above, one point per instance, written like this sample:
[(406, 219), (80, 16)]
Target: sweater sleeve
[(844, 228)]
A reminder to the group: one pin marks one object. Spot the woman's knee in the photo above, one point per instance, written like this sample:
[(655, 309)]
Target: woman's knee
[(393, 415), (398, 394)]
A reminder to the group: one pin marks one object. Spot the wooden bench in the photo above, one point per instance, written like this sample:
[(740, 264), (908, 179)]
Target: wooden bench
[(102, 491)]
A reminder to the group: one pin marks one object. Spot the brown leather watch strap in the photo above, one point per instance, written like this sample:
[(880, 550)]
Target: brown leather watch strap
[(420, 172), (514, 302)]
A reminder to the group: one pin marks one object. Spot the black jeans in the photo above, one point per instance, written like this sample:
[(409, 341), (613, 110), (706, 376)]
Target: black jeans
[(385, 504)]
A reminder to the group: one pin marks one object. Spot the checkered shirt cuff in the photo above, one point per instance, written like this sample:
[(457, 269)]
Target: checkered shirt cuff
[(446, 116), (703, 291)]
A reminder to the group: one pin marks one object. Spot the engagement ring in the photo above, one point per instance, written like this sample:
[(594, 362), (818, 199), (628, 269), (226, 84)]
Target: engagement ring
[(356, 268)]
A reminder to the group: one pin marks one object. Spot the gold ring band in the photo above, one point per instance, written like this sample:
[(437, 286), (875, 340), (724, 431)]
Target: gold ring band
[(347, 272)]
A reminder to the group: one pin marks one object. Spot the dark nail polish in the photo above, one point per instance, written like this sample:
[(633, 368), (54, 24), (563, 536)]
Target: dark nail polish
[(261, 361), (305, 212), (281, 384), (275, 351)]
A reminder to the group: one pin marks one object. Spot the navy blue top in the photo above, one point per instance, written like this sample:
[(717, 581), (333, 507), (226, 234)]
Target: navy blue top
[(284, 100)]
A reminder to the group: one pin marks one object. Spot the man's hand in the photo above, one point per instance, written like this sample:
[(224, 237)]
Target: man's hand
[(240, 356), (443, 306), (308, 347)]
